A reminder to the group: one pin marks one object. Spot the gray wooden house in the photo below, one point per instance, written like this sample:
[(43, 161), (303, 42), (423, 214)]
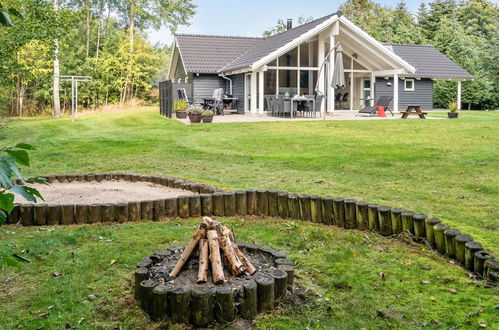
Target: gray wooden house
[(289, 62)]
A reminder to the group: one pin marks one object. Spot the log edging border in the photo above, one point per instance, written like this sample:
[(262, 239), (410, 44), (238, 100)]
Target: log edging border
[(212, 201)]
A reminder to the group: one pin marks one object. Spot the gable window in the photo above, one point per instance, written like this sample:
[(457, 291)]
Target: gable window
[(409, 85)]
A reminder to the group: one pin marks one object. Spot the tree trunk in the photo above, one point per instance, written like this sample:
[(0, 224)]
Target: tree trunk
[(131, 50), (87, 8), (57, 100)]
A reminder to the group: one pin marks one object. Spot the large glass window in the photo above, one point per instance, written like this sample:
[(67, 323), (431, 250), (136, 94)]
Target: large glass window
[(288, 82), (304, 55), (270, 82), (289, 59)]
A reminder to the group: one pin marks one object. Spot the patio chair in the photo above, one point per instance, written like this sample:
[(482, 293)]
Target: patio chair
[(344, 100), (317, 104), (274, 104), (337, 100), (383, 101), (284, 107), (215, 103), (268, 106), (182, 95)]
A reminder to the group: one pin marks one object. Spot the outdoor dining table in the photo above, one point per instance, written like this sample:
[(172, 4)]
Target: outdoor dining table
[(299, 100), (413, 109)]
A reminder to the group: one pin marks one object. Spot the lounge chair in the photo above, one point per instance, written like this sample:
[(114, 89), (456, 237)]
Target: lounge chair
[(383, 101)]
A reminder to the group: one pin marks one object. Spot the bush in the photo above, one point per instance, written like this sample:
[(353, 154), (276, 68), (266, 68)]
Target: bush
[(452, 106), (207, 113), (195, 110), (180, 105)]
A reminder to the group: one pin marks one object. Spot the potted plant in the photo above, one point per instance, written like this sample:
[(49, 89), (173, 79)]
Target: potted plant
[(180, 107), (207, 116), (194, 112), (452, 110)]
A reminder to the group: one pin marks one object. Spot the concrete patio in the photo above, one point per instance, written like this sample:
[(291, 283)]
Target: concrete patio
[(339, 115)]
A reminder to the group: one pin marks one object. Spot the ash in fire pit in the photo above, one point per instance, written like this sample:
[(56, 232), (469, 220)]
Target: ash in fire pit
[(176, 284)]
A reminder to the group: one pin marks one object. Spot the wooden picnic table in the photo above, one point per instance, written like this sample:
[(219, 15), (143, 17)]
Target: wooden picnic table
[(413, 109)]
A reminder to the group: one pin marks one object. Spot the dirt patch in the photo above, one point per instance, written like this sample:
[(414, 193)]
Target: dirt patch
[(103, 192)]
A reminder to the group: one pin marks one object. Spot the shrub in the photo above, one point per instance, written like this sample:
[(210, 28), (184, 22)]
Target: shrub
[(194, 110), (452, 106), (207, 113), (180, 105)]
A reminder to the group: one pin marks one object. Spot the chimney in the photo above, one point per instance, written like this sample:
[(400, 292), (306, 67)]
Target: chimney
[(290, 24)]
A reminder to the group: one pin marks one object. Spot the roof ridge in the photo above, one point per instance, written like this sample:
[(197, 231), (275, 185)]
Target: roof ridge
[(396, 44), (338, 12), (215, 36)]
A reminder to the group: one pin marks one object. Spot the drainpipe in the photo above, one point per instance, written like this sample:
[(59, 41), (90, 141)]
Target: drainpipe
[(230, 83)]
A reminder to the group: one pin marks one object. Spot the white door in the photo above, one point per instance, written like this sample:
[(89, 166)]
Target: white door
[(247, 92)]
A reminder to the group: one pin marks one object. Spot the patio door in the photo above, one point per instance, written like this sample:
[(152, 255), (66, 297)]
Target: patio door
[(365, 90), (247, 92)]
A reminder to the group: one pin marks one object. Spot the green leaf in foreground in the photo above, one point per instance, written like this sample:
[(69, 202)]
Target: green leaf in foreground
[(6, 201), (19, 155), (26, 192)]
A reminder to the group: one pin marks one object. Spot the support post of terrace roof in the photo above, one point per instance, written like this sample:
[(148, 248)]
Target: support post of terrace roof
[(395, 92), (458, 95), (253, 96), (330, 89), (351, 85), (261, 75), (320, 77), (371, 88)]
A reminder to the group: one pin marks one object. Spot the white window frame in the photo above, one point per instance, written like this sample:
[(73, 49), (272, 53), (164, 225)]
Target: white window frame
[(405, 85)]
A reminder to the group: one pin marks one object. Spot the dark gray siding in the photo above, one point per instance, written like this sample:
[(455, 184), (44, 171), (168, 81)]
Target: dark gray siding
[(204, 84), (180, 72), (238, 90), (422, 94)]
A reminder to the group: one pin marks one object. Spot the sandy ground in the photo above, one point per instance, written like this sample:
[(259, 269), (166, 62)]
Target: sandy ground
[(103, 192)]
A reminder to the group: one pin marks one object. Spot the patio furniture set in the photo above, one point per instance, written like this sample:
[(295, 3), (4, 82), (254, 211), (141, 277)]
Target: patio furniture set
[(219, 103), (293, 107)]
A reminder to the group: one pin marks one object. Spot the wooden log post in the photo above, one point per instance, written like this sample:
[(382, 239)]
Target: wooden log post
[(396, 220), (248, 308), (229, 203), (171, 207), (438, 231), (26, 214), (202, 306), (294, 206), (206, 205), (147, 210), (134, 178), (282, 200), (290, 271), (194, 206), (305, 209), (479, 261), (218, 204), (273, 203), (280, 285), (491, 270), (61, 178), (339, 211), (171, 181), (215, 259), (372, 214), (140, 275), (350, 215), (53, 214), (430, 233), (14, 215), (81, 213), (265, 293), (90, 177), (470, 248), (225, 307), (177, 183), (179, 300), (51, 178), (250, 269), (419, 225), (327, 210), (183, 206), (145, 295), (362, 215), (461, 240), (262, 202), (108, 212), (385, 220), (134, 213), (251, 201), (450, 243), (407, 221), (160, 308), (94, 213), (241, 203), (186, 254), (235, 266), (67, 214), (159, 209), (40, 214), (81, 178), (316, 208), (99, 178), (203, 261), (121, 212)]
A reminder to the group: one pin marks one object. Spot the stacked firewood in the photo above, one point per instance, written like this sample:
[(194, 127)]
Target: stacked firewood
[(210, 237)]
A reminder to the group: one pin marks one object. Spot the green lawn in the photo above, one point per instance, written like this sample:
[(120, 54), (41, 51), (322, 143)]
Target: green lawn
[(445, 168)]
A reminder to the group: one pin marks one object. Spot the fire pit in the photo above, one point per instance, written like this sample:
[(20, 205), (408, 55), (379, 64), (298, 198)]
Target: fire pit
[(245, 279)]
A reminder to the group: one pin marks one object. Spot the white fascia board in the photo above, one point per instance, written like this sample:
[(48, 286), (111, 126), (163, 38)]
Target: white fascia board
[(242, 70), (377, 44), (170, 66), (180, 56), (295, 42), (388, 72)]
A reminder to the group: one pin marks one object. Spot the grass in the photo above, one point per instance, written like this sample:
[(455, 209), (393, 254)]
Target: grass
[(445, 168)]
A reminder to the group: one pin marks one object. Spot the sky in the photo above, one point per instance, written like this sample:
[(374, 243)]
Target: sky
[(252, 17)]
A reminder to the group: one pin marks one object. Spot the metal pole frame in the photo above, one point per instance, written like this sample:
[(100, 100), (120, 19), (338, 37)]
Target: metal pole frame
[(74, 91)]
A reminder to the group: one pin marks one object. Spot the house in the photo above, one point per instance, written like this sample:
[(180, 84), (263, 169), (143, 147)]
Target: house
[(289, 62)]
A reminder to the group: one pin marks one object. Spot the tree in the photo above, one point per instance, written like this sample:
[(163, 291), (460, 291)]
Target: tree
[(282, 26), (57, 99)]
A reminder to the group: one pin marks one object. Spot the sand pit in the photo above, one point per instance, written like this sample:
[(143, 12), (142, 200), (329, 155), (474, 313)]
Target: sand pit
[(103, 192)]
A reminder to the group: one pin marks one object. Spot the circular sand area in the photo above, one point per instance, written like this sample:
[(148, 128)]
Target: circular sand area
[(103, 192)]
